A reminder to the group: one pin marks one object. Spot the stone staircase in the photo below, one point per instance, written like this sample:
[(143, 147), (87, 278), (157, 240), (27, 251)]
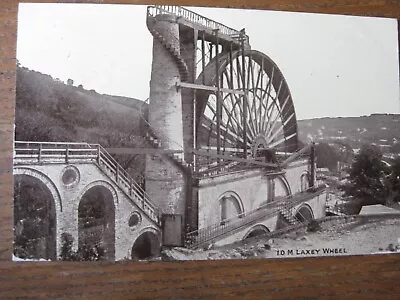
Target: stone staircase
[(155, 142), (176, 158), (180, 62), (288, 216)]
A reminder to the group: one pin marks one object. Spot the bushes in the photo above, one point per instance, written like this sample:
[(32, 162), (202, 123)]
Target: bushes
[(313, 226), (371, 181), (84, 253)]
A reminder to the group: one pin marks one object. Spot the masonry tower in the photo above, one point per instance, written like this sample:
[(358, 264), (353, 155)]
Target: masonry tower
[(165, 182)]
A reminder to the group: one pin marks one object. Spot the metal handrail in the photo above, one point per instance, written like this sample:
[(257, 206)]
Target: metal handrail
[(196, 19), (197, 237), (121, 174), (64, 151)]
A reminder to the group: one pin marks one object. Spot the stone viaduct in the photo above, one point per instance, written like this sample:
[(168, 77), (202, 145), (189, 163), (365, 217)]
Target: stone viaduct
[(69, 178)]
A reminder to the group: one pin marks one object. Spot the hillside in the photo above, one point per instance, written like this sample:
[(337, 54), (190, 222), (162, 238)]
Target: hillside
[(382, 130), (48, 110)]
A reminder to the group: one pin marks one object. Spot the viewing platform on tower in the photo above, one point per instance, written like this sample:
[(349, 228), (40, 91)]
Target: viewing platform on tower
[(227, 36)]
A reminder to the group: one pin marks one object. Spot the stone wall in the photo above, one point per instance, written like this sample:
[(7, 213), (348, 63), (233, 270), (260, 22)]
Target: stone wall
[(251, 188), (294, 172), (317, 205)]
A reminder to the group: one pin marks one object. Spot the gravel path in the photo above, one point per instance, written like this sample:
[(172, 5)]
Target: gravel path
[(351, 239), (341, 239)]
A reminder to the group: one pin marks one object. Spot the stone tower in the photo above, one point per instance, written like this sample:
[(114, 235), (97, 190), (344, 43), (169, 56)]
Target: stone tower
[(165, 181)]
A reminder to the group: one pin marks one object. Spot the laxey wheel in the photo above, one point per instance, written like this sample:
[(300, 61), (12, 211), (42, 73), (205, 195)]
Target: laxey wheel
[(261, 118)]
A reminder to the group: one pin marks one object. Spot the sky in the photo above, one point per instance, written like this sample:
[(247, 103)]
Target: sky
[(334, 65)]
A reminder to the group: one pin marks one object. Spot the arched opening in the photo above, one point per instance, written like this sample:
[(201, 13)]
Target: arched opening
[(230, 207), (305, 182), (257, 231), (34, 219), (147, 245), (304, 214), (96, 222), (281, 188)]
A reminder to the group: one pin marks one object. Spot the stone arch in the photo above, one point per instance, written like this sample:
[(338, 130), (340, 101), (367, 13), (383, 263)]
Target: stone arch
[(36, 203), (46, 181), (96, 221), (305, 181), (105, 184), (282, 187), (304, 213), (256, 230), (230, 206), (147, 244)]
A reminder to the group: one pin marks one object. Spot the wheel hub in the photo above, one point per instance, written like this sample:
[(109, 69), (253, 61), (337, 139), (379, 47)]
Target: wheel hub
[(259, 144)]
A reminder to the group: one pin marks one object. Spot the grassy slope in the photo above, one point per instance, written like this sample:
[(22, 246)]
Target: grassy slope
[(49, 110)]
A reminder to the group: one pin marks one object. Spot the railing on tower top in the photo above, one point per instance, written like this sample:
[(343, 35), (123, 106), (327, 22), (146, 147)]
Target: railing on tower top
[(60, 152), (207, 234), (196, 19)]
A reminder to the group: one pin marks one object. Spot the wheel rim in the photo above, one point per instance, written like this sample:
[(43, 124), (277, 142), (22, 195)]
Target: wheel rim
[(268, 116)]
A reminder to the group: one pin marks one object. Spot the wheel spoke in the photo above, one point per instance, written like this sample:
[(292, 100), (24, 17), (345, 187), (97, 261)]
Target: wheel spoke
[(228, 124), (275, 121), (253, 93), (274, 144), (267, 114), (249, 119), (207, 123), (260, 99), (267, 104), (272, 123), (240, 100), (269, 84), (233, 101), (227, 149), (283, 107), (271, 137), (268, 111)]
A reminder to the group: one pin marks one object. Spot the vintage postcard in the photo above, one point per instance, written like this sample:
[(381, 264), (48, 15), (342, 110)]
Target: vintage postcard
[(187, 133)]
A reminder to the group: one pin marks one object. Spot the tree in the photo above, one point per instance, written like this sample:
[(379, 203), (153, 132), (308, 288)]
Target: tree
[(367, 177), (84, 253), (392, 182)]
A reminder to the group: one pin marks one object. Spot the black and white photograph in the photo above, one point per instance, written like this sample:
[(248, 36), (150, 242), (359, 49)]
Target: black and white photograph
[(168, 133)]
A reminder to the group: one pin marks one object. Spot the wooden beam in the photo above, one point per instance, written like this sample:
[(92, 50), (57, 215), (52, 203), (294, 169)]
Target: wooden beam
[(233, 158), (207, 88), (218, 93), (206, 153), (295, 155), (141, 151)]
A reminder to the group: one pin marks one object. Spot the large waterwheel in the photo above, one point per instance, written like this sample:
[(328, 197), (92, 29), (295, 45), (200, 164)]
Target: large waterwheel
[(259, 115)]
